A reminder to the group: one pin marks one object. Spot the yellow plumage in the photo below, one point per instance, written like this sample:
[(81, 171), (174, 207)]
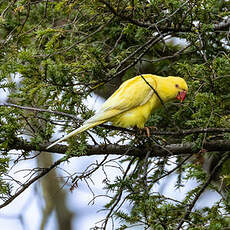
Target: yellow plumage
[(132, 104)]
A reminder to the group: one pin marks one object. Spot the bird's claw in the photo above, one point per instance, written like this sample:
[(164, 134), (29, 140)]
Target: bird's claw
[(147, 130)]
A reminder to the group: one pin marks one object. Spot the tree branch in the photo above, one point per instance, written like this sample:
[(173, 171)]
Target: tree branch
[(144, 50), (34, 109), (222, 25), (180, 132), (128, 150), (216, 27), (205, 185), (169, 56), (30, 182), (145, 24)]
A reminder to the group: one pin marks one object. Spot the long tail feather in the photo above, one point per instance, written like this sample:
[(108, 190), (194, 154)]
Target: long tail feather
[(79, 130)]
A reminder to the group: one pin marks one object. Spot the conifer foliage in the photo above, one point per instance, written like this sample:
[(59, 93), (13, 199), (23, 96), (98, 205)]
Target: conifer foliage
[(55, 54)]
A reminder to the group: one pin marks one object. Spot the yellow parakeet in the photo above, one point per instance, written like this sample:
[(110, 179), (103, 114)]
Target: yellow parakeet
[(133, 102)]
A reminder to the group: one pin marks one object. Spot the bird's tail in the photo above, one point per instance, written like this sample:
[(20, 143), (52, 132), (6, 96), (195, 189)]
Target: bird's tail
[(79, 130)]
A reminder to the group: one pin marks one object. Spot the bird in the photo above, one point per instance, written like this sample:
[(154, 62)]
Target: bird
[(134, 101)]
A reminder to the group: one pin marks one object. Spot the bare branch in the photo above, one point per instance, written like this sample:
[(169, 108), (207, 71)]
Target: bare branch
[(222, 25), (114, 149), (34, 109), (30, 182), (117, 196)]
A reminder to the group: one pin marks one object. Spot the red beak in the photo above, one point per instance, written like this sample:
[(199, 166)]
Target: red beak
[(181, 96)]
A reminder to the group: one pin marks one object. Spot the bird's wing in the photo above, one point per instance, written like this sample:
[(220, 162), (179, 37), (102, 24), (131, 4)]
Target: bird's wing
[(132, 93)]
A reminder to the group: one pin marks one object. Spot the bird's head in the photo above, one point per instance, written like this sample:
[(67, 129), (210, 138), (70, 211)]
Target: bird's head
[(180, 87)]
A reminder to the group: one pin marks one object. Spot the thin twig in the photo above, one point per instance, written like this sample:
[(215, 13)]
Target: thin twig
[(34, 109), (26, 185), (169, 56), (154, 90), (27, 16), (80, 41), (118, 195), (5, 10), (86, 173), (173, 170), (143, 48), (205, 185)]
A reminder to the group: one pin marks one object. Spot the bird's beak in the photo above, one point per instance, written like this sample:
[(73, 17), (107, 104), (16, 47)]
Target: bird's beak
[(181, 96)]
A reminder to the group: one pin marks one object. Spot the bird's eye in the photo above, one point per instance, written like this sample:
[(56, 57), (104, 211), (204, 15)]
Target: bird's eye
[(177, 86)]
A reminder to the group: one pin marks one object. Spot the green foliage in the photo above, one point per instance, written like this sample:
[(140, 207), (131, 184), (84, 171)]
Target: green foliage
[(61, 51)]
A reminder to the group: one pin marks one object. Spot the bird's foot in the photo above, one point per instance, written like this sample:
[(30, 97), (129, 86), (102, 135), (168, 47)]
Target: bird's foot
[(147, 130)]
